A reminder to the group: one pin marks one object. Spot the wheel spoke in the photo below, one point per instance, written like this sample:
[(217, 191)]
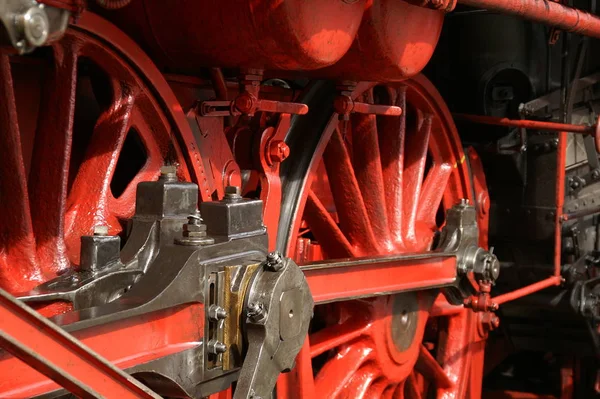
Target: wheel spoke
[(155, 144), (452, 350), (377, 389), (367, 166), (350, 206), (399, 391), (388, 393), (361, 381), (90, 195), (391, 143), (326, 231), (335, 335), (414, 170), (411, 389), (338, 371), (431, 370), (50, 161), (432, 194), (17, 245)]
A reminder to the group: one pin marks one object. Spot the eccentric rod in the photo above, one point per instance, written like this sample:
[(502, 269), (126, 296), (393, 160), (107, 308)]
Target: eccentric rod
[(545, 12)]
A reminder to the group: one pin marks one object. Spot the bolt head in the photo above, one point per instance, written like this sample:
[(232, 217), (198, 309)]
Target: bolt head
[(279, 151), (244, 103), (233, 190), (274, 261), (343, 104), (256, 312), (168, 173)]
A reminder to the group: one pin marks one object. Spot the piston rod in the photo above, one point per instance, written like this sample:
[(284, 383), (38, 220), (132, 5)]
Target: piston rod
[(546, 12)]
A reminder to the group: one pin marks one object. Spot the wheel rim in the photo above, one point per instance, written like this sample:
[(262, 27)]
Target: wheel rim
[(384, 198), (65, 169)]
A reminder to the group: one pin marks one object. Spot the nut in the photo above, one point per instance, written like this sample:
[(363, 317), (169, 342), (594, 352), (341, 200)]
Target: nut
[(274, 261), (194, 228), (216, 347), (168, 173), (279, 151), (256, 312), (233, 193), (216, 313), (244, 103)]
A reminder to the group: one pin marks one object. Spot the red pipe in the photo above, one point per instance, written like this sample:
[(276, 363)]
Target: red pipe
[(545, 12), (561, 165), (526, 123), (556, 278), (529, 289)]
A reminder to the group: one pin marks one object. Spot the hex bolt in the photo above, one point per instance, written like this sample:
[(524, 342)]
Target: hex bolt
[(278, 151), (464, 201), (194, 232), (255, 312), (101, 230), (233, 194), (168, 173), (274, 261), (216, 347), (216, 313)]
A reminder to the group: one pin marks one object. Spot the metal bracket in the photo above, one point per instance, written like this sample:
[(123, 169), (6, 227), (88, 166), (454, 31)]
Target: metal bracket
[(279, 309)]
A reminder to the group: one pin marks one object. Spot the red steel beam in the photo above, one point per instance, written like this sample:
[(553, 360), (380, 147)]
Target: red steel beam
[(354, 278), (124, 343), (50, 350), (546, 12)]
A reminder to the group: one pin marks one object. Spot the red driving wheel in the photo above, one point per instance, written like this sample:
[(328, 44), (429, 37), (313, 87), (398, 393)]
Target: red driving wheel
[(381, 187), (83, 122)]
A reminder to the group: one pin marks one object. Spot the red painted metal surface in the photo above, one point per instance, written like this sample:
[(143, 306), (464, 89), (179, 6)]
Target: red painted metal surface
[(270, 34), (561, 165), (395, 37), (482, 197), (125, 344), (349, 282), (527, 290), (270, 181), (547, 12), (64, 189), (378, 191), (35, 340), (57, 174)]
